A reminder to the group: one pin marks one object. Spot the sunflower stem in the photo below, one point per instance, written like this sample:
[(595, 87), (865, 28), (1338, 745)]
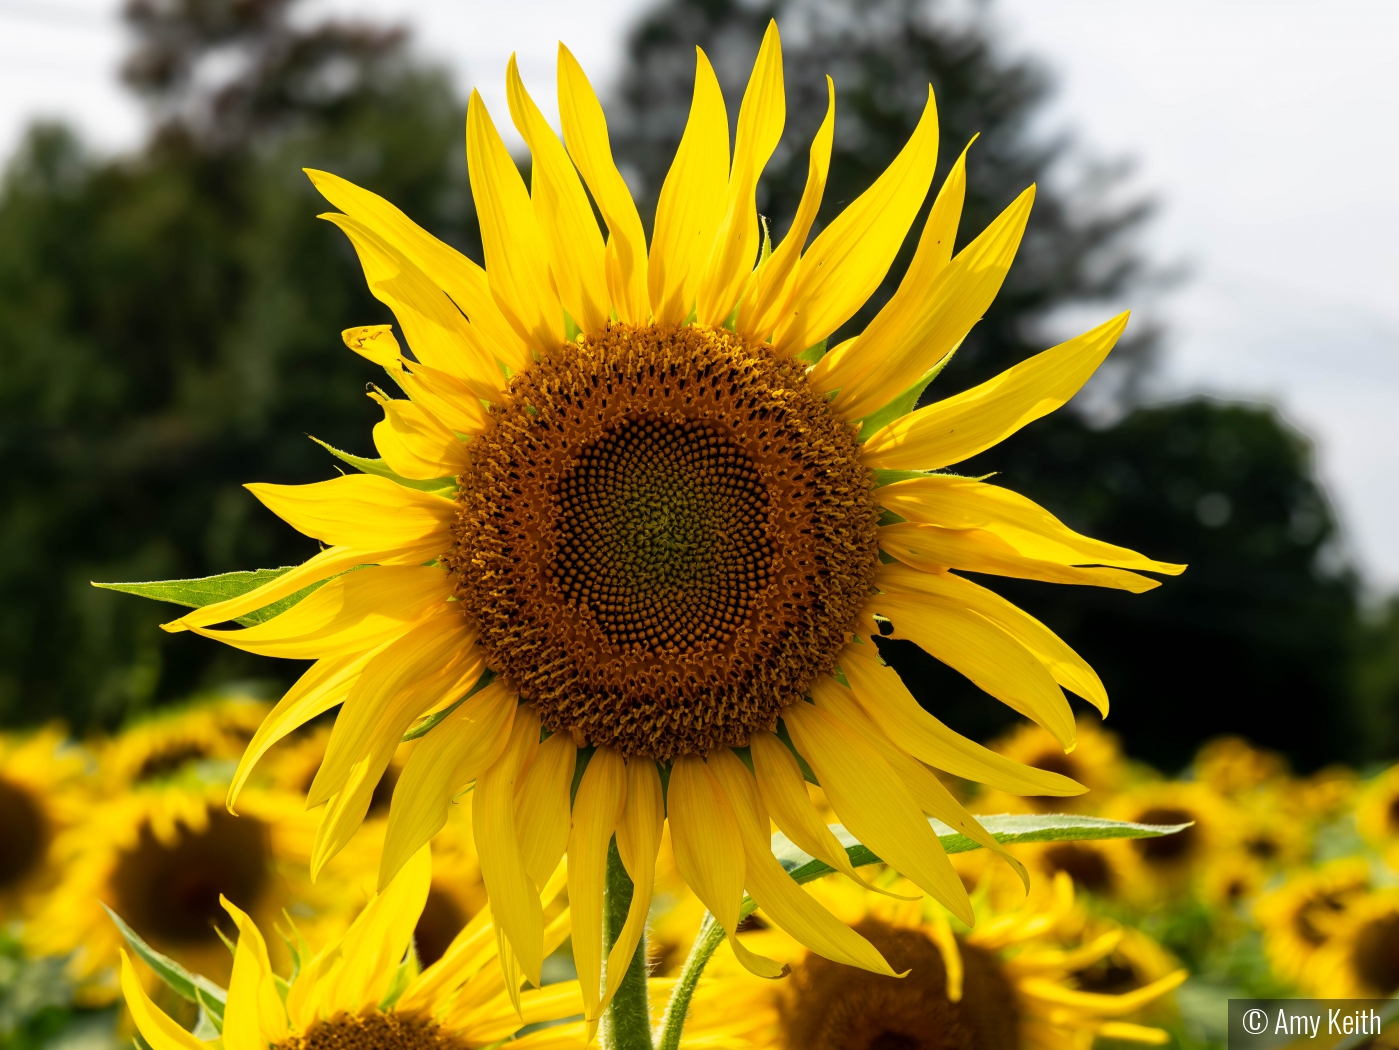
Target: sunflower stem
[(707, 942), (626, 1023)]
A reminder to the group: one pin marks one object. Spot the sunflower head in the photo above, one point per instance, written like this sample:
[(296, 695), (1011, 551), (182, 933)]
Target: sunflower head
[(167, 743), (1168, 868), (43, 791), (1303, 914), (1360, 959), (1096, 762), (1231, 766), (1377, 811)]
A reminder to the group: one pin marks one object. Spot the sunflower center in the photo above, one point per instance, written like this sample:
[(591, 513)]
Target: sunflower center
[(170, 891), (664, 538), (172, 760), (1393, 814), (1085, 865), (372, 1031), (1311, 921), (25, 833), (835, 1007), (1168, 849), (1376, 954)]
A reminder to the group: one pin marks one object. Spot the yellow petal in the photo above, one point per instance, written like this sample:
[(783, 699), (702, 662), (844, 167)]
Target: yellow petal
[(974, 646), (776, 280), (888, 702), (457, 275), (781, 899), (704, 834), (1099, 1003), (436, 330), (965, 503), (872, 803), (541, 806), (517, 261), (784, 795), (155, 1027), (1133, 1033), (451, 401), (596, 811), (638, 842), (376, 941), (935, 549), (514, 897), (257, 1017), (360, 510), (325, 684), (351, 613), (585, 132), (916, 331), (415, 444), (760, 121), (961, 426), (1068, 668), (571, 234), (847, 262), (691, 204), (929, 793), (454, 753)]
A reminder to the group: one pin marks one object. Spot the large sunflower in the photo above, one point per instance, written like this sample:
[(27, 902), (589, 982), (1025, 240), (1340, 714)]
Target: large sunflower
[(1031, 976), (359, 991), (628, 482)]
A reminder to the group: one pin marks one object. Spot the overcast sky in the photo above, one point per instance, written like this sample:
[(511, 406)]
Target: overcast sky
[(1269, 131)]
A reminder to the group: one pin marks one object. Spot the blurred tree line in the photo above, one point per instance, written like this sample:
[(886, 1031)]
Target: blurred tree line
[(169, 328)]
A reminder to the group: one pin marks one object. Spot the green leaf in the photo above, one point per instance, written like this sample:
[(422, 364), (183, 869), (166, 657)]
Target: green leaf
[(812, 353), (424, 726), (901, 405), (441, 486), (1011, 828), (209, 1025), (209, 590), (198, 990)]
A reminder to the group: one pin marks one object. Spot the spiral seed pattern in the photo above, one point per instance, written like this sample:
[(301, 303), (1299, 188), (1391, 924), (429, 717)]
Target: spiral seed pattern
[(663, 534), (663, 539)]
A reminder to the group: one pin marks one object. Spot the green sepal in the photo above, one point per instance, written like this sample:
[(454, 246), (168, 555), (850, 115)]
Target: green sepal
[(377, 467), (812, 353), (901, 405), (1004, 827), (198, 990), (884, 477), (408, 969), (210, 1018), (425, 725)]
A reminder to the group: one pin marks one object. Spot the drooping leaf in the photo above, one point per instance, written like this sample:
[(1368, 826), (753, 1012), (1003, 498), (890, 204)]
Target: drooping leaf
[(199, 990), (208, 590), (441, 486), (1005, 827)]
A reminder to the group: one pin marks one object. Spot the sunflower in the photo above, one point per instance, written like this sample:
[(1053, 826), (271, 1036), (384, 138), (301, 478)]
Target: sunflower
[(43, 790), (1156, 870), (161, 857), (1096, 763), (364, 989), (1093, 866), (1015, 982), (1231, 766), (629, 483), (1301, 916), (1377, 814), (1360, 959), (164, 743)]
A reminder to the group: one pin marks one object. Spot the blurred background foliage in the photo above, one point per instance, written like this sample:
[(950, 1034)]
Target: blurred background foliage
[(169, 329)]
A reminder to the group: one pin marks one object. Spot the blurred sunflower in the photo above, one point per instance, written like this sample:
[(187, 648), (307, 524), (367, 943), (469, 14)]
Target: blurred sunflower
[(1377, 814), (43, 791), (1014, 982), (162, 857), (1093, 866), (1360, 959), (359, 991), (1300, 917), (632, 484), (164, 743), (1096, 763), (1160, 869), (1231, 765)]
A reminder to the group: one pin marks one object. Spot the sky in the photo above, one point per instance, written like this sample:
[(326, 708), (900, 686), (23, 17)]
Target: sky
[(1268, 131)]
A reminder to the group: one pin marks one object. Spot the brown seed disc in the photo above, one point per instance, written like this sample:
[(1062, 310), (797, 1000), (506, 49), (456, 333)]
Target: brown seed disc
[(373, 1031), (664, 538), (828, 1006)]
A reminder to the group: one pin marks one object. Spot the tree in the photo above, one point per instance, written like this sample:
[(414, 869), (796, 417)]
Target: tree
[(169, 329)]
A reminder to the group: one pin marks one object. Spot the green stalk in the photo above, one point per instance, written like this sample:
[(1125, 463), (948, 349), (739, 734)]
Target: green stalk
[(707, 942), (626, 1023)]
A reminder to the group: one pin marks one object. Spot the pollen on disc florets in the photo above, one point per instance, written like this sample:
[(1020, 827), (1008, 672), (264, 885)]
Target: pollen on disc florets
[(373, 1031), (664, 537)]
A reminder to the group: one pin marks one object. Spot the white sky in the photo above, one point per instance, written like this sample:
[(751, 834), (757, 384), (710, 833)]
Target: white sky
[(1269, 130)]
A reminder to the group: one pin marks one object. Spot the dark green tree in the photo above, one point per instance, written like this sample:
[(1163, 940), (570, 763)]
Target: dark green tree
[(169, 329), (1256, 637)]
